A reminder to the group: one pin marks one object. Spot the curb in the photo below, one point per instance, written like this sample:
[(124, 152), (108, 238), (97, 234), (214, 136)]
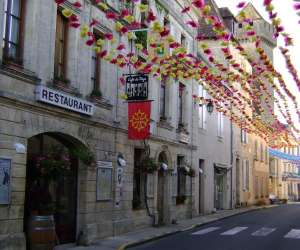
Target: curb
[(157, 237)]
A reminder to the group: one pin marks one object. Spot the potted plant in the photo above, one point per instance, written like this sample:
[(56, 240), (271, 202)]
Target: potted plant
[(148, 165), (84, 155), (96, 93), (192, 173), (48, 168)]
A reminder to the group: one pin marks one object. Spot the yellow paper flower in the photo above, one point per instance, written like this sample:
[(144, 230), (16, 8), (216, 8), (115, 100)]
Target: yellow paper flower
[(103, 6), (131, 35), (143, 7), (118, 26), (157, 27), (84, 30), (67, 12), (139, 46), (134, 59), (100, 42), (129, 18), (97, 49)]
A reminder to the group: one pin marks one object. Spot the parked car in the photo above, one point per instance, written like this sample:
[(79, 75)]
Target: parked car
[(273, 199)]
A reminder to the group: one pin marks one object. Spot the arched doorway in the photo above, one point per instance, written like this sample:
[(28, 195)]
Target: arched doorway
[(51, 183), (161, 188)]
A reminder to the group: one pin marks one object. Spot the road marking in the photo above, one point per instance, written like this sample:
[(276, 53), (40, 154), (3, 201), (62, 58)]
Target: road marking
[(206, 230), (264, 231), (293, 234), (234, 231)]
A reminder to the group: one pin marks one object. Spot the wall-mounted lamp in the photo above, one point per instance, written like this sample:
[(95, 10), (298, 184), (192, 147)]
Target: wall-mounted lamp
[(210, 107)]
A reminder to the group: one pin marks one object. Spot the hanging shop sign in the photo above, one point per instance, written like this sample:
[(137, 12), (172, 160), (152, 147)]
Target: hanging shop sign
[(5, 169), (62, 100), (137, 87)]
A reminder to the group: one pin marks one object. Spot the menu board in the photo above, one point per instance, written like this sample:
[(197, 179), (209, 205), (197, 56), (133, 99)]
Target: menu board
[(5, 170), (104, 181)]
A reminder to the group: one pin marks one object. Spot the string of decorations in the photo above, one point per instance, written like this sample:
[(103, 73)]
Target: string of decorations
[(179, 65)]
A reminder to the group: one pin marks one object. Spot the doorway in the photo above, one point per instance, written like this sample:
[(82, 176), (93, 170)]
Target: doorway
[(201, 186), (219, 181), (238, 183), (161, 189), (51, 184)]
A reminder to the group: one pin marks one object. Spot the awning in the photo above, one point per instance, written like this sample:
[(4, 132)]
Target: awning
[(222, 167)]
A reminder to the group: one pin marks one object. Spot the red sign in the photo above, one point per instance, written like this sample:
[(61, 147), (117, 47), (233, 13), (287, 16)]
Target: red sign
[(139, 120)]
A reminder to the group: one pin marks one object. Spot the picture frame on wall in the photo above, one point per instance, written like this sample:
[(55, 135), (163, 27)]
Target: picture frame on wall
[(5, 181), (104, 181)]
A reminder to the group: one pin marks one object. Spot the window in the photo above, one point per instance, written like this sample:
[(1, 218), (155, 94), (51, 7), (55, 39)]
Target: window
[(12, 29), (256, 187), (163, 100), (138, 201), (143, 15), (180, 104), (183, 40), (220, 124), (60, 46), (181, 181), (261, 152), (246, 170), (202, 109), (96, 66), (244, 136), (256, 150)]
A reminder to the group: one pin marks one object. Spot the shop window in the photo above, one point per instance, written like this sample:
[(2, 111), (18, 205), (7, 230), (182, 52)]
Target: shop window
[(60, 47), (13, 23), (181, 180), (96, 68), (138, 201)]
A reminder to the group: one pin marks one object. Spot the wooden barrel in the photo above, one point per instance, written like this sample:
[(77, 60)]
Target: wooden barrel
[(41, 232)]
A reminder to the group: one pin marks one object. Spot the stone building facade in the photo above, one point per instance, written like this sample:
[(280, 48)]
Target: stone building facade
[(255, 157), (29, 127), (284, 176)]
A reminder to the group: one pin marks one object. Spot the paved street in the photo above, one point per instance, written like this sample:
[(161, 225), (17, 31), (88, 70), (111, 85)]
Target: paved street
[(271, 229)]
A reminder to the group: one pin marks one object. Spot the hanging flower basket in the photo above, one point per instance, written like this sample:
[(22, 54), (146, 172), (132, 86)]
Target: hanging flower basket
[(148, 165), (84, 155), (192, 173), (52, 165)]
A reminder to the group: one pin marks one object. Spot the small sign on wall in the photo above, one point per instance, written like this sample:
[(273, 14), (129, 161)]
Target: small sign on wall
[(5, 179), (104, 181)]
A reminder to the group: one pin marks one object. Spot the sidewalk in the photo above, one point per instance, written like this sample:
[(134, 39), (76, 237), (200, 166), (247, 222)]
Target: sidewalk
[(151, 233)]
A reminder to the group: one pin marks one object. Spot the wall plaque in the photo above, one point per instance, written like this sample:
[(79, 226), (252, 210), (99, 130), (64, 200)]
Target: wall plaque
[(104, 181), (5, 171)]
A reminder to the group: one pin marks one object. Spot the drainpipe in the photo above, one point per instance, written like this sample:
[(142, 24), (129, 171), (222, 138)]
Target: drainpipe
[(231, 158)]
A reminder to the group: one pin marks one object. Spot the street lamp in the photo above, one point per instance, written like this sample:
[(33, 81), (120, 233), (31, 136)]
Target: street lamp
[(210, 107)]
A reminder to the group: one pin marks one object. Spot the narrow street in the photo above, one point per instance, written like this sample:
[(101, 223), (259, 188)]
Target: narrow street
[(271, 229)]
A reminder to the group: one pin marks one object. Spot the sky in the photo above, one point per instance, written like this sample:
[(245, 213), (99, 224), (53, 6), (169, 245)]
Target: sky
[(290, 20)]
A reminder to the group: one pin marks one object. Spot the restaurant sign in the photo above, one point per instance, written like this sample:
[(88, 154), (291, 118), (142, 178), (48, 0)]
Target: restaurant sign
[(60, 99), (137, 87)]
